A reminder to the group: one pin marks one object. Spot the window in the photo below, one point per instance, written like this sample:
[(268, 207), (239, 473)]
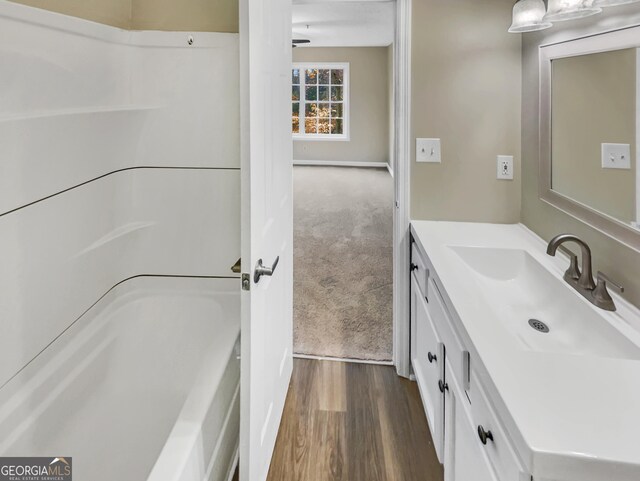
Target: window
[(320, 101)]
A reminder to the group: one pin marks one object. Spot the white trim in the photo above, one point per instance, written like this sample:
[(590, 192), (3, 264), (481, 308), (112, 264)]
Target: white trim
[(390, 170), (346, 82), (402, 141), (637, 167), (337, 163), (342, 359)]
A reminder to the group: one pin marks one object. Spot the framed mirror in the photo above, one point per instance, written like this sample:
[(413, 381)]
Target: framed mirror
[(590, 131)]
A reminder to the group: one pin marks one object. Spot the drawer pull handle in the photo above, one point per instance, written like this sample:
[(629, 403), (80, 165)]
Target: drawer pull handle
[(484, 435), (431, 358), (443, 386), (414, 267)]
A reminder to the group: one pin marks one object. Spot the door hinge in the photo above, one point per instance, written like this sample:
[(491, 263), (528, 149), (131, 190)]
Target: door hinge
[(246, 282)]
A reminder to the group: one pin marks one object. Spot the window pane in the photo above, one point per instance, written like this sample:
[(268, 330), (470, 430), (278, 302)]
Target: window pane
[(336, 77), (324, 110), (324, 126), (336, 110), (336, 126), (311, 76), (295, 125), (312, 93), (295, 78), (311, 110), (323, 93), (336, 93), (323, 77), (296, 109), (310, 125), (295, 93)]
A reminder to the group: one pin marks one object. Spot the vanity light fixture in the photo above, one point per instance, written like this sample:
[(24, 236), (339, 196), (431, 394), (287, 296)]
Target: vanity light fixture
[(528, 16), (613, 3), (561, 10)]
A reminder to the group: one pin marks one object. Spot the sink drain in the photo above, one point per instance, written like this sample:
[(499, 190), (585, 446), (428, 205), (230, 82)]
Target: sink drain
[(538, 325)]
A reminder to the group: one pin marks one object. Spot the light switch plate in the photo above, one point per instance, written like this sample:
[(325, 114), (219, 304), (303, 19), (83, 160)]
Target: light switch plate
[(505, 167), (428, 150), (616, 156)]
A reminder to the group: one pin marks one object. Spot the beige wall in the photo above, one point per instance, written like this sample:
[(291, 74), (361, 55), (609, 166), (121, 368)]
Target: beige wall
[(622, 263), (368, 106), (192, 15), (116, 13), (594, 102), (188, 15), (466, 91)]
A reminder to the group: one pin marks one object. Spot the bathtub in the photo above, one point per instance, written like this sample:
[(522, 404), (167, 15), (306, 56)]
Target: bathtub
[(143, 386)]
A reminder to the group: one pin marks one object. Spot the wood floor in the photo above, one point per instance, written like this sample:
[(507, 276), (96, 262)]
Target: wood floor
[(352, 422)]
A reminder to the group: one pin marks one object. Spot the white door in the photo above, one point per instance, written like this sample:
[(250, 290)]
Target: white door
[(267, 227)]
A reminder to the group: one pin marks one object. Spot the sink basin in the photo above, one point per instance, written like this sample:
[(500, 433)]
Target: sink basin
[(539, 309)]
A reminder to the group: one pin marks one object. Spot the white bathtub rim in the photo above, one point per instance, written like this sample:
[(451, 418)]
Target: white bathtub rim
[(66, 350), (183, 439)]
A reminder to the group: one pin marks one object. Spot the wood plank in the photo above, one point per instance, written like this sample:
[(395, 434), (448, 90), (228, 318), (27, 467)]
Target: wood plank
[(332, 386)]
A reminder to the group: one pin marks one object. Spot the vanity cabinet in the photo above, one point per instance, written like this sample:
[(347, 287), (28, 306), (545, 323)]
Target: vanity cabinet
[(467, 434)]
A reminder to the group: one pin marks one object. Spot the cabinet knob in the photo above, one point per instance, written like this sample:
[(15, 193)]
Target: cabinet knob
[(484, 435), (443, 386), (414, 267), (431, 358)]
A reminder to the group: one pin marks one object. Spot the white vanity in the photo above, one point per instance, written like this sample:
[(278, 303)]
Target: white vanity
[(521, 377)]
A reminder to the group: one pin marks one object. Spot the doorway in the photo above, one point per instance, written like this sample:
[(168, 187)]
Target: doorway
[(342, 111)]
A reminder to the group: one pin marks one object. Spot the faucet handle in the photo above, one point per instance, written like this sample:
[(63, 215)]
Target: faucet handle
[(601, 296), (607, 281), (573, 272)]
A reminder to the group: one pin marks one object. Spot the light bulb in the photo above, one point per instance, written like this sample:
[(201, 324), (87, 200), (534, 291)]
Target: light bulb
[(528, 16)]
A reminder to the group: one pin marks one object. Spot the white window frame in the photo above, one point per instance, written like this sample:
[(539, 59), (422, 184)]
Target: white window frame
[(302, 66)]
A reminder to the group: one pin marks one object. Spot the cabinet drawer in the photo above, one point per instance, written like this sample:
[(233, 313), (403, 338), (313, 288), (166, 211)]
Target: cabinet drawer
[(419, 269), (428, 365), (456, 354), (499, 450)]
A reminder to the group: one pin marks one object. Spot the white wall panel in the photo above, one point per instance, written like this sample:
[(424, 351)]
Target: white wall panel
[(59, 256), (79, 100)]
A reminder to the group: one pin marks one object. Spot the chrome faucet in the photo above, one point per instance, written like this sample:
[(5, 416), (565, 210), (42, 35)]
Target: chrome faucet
[(581, 279)]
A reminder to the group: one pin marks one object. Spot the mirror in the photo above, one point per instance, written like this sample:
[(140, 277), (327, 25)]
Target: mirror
[(590, 129), (593, 132)]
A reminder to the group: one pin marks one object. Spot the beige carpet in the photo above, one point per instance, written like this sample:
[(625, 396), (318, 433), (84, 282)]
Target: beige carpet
[(343, 262)]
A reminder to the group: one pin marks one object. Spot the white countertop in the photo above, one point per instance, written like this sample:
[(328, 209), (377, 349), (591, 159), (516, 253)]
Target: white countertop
[(570, 416)]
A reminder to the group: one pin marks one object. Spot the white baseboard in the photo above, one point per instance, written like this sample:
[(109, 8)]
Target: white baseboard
[(336, 163), (341, 359)]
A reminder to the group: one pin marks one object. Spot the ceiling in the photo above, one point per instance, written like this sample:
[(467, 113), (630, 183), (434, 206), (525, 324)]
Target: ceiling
[(344, 23)]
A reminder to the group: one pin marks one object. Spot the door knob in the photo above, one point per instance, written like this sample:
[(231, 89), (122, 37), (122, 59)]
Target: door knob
[(431, 358), (264, 271), (443, 386)]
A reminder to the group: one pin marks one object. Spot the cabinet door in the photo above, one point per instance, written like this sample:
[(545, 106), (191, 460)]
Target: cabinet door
[(464, 459), (428, 361)]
